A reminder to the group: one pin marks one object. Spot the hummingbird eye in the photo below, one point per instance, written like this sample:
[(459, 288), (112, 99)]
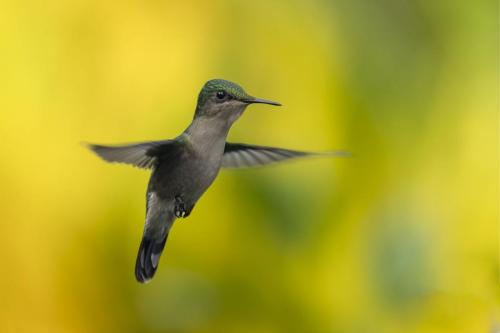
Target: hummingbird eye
[(221, 94)]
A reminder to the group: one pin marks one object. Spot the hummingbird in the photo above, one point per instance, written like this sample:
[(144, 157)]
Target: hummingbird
[(183, 168)]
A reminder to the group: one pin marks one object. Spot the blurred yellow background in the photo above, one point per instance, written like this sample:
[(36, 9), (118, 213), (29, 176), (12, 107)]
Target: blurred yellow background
[(403, 237)]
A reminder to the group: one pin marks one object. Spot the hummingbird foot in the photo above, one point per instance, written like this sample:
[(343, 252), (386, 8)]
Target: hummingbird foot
[(181, 209)]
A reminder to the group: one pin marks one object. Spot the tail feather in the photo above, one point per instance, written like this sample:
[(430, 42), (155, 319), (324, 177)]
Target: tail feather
[(148, 257)]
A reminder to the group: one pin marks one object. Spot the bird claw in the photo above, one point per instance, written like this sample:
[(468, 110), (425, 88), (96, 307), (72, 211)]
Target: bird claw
[(180, 213), (180, 209)]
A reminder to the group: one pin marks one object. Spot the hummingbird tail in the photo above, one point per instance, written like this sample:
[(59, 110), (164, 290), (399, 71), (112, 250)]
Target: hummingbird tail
[(148, 257)]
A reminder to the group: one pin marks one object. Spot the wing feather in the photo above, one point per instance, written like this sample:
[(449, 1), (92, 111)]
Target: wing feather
[(142, 155), (238, 155)]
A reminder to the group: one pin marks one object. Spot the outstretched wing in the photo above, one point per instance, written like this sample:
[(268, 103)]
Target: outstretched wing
[(142, 155), (238, 155)]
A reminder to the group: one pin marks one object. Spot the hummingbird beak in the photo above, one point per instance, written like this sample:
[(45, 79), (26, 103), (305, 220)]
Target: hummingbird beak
[(253, 100)]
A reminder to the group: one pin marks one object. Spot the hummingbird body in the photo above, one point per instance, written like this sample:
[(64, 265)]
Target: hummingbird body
[(184, 168)]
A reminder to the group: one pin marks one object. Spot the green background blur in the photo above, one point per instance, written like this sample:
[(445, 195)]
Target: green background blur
[(402, 237)]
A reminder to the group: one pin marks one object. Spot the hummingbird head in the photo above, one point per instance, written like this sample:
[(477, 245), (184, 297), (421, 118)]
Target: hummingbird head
[(225, 99)]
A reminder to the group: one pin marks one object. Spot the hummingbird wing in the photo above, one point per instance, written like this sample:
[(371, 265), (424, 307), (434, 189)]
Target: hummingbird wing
[(238, 155), (142, 155)]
